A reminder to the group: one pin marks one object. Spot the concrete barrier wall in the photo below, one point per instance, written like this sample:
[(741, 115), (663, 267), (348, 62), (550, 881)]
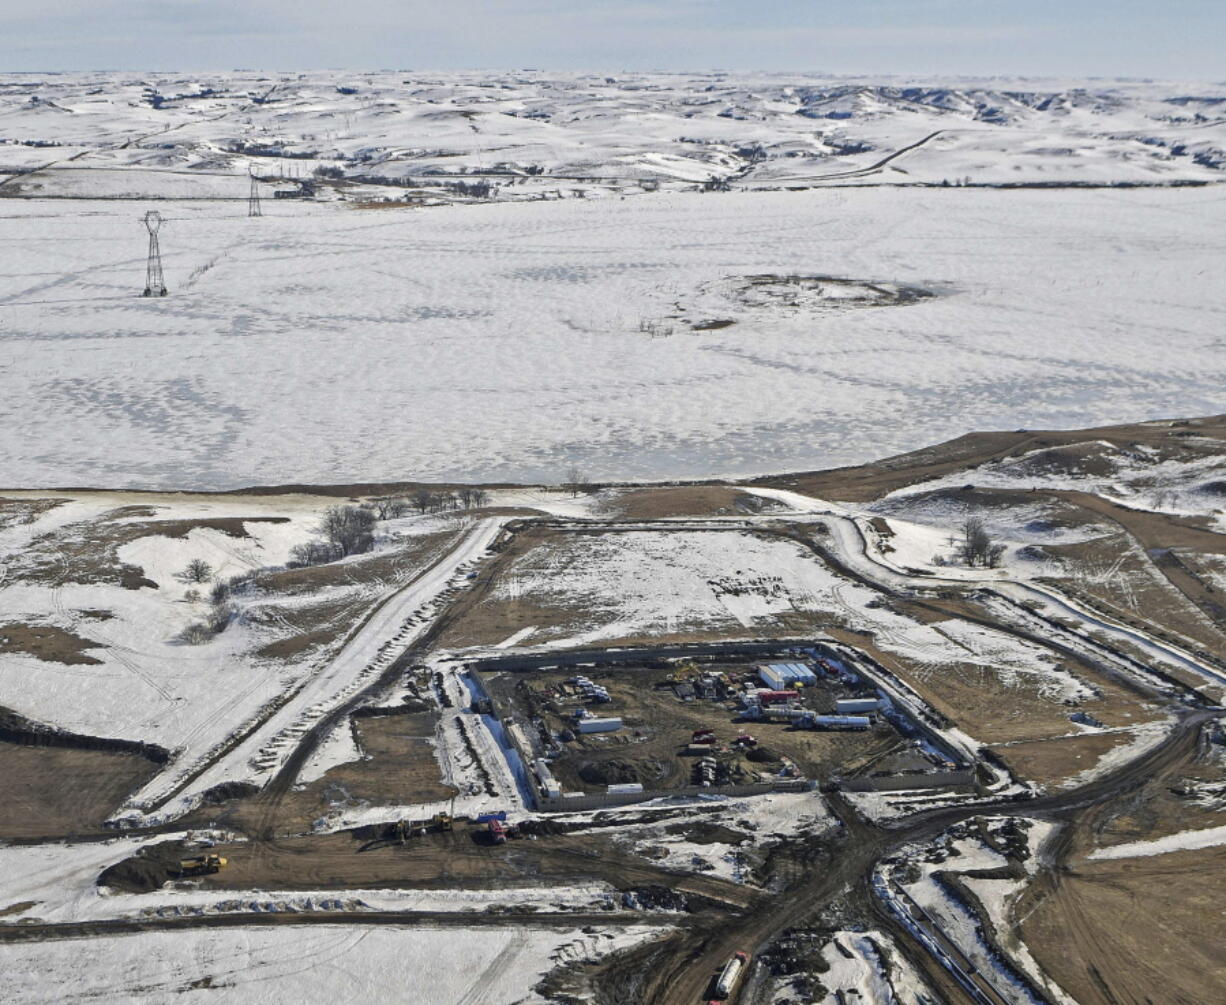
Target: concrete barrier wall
[(597, 801), (898, 783), (861, 662), (612, 657)]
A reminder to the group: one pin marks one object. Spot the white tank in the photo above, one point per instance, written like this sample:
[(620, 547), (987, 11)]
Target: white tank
[(729, 976)]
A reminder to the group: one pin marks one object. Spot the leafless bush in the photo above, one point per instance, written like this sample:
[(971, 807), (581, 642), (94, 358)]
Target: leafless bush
[(391, 508), (220, 617), (197, 571), (978, 548), (349, 528), (196, 634), (313, 553), (472, 497)]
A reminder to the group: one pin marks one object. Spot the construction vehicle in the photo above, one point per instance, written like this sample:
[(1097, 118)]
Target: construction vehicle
[(730, 977), (498, 832), (201, 865), (441, 821)]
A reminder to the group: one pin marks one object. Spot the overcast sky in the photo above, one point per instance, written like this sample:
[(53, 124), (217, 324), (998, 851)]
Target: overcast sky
[(1160, 38)]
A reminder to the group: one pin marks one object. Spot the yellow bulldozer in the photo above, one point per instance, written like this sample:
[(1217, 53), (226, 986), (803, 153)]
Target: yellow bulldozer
[(201, 865)]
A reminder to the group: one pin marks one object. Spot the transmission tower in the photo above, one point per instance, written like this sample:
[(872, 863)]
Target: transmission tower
[(253, 200), (155, 285)]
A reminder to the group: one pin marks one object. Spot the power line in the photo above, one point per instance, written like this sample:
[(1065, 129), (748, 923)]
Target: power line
[(155, 284), (253, 200)]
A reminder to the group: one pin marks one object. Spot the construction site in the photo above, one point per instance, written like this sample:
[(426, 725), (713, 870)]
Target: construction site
[(834, 769), (635, 726)]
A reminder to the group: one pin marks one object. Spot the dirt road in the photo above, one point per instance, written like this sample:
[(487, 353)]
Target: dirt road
[(682, 978)]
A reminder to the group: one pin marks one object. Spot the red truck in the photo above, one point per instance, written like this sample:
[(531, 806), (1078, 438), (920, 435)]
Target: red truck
[(498, 831)]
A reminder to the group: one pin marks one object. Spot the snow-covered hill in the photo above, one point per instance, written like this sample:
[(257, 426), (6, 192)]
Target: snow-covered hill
[(533, 133)]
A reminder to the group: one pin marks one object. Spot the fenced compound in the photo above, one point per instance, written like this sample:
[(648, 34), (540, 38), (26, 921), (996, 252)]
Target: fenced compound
[(956, 773)]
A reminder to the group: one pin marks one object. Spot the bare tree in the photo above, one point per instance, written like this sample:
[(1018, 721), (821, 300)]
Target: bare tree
[(576, 480), (472, 497), (978, 548), (198, 571), (350, 528), (423, 500), (314, 553), (390, 508)]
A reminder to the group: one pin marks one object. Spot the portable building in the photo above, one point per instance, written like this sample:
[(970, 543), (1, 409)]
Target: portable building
[(595, 725), (779, 676)]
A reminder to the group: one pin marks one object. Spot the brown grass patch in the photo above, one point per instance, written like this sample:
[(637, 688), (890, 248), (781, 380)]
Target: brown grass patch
[(680, 500), (19, 511), (1134, 930), (59, 791), (390, 204), (863, 483), (87, 552), (396, 565), (314, 627), (47, 643), (398, 769), (1049, 762)]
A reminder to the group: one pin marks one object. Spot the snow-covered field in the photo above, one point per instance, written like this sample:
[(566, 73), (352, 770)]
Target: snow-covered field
[(650, 582), (510, 340), (476, 966), (1208, 837)]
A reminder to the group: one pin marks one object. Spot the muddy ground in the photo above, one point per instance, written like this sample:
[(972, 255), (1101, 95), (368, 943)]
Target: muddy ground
[(60, 792), (651, 748)]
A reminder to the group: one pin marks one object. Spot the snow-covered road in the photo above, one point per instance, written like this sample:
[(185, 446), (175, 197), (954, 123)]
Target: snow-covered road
[(392, 627), (853, 548)]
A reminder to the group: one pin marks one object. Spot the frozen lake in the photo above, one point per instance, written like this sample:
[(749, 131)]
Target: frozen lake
[(502, 342)]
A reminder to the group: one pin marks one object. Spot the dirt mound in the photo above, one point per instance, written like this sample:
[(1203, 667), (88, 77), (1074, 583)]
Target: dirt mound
[(706, 832), (147, 870), (1083, 459), (226, 791), (618, 771), (763, 755), (964, 497)]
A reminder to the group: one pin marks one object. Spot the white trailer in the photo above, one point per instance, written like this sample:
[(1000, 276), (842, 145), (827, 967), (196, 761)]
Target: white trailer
[(595, 725), (850, 706)]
